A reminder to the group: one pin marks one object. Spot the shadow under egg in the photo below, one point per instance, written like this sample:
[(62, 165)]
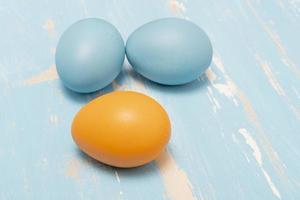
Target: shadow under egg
[(148, 169), (197, 85)]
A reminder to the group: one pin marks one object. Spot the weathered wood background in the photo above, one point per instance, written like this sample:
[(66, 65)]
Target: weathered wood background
[(236, 130)]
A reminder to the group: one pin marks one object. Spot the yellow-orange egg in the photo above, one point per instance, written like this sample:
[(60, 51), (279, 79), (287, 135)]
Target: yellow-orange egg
[(122, 129)]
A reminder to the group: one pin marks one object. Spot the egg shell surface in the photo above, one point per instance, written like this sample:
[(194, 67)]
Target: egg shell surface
[(169, 51), (89, 55), (122, 129)]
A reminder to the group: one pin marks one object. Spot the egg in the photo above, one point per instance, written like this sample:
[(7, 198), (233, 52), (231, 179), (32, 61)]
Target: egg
[(89, 55), (122, 129), (169, 51)]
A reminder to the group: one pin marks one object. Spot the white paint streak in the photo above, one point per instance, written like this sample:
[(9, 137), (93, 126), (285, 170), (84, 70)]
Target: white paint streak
[(271, 77), (54, 119), (276, 85), (296, 92), (212, 77), (246, 156), (228, 88), (83, 5), (176, 181), (117, 177), (219, 64), (271, 184), (295, 4), (234, 139), (252, 143), (292, 7), (254, 120), (215, 103), (119, 182), (47, 75), (275, 38), (258, 157), (294, 109)]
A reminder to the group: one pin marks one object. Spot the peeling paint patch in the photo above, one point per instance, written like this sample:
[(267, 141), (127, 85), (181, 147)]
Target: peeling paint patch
[(49, 26), (176, 182), (176, 6), (47, 75), (54, 119), (72, 169), (53, 50), (43, 163), (211, 76)]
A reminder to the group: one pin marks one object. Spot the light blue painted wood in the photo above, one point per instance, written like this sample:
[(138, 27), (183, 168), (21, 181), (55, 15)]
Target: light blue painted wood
[(235, 130)]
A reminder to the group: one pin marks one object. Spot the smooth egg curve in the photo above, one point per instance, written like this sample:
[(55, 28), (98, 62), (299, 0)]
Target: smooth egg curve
[(169, 51), (122, 129)]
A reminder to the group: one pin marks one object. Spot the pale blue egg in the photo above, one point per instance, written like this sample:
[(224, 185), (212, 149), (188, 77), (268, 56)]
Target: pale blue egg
[(89, 55), (169, 51)]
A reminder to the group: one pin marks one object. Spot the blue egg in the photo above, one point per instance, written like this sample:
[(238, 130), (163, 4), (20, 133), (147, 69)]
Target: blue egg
[(89, 55), (169, 51)]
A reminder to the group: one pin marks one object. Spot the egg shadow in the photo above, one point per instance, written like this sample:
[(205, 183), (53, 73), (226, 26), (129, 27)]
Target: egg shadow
[(197, 85), (134, 172), (82, 98)]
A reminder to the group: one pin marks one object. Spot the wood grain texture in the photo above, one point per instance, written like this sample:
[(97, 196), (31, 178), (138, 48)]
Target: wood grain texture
[(235, 130)]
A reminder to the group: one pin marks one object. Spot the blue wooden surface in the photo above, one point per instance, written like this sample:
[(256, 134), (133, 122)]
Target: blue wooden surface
[(236, 130)]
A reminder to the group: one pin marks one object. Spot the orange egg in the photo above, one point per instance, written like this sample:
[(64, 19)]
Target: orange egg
[(122, 129)]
